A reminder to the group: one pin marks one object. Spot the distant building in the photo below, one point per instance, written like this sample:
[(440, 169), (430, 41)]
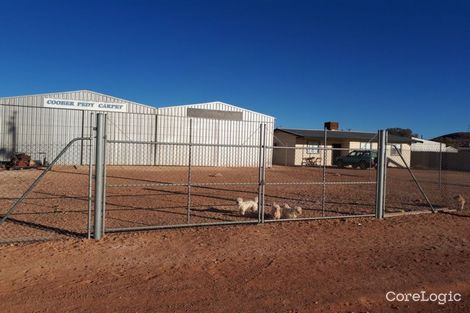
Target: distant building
[(293, 146), (423, 145)]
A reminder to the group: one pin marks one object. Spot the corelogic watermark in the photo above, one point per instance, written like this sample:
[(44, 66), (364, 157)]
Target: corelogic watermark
[(423, 296)]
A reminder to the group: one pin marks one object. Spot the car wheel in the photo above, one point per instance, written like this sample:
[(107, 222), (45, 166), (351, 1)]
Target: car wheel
[(363, 165)]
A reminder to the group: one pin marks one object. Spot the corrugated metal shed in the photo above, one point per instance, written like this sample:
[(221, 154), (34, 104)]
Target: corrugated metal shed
[(217, 131), (26, 126), (37, 100)]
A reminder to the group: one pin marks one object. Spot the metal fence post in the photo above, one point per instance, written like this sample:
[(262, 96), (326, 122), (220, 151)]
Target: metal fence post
[(263, 177), (188, 217), (83, 135), (260, 172), (156, 140), (381, 174), (90, 177), (323, 201), (105, 145), (99, 175), (440, 167)]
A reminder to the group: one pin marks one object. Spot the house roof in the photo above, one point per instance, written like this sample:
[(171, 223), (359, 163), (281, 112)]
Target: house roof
[(339, 134)]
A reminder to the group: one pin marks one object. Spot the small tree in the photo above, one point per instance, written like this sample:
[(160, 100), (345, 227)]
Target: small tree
[(403, 132)]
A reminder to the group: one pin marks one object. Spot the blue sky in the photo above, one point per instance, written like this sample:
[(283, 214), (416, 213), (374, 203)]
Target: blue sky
[(366, 64)]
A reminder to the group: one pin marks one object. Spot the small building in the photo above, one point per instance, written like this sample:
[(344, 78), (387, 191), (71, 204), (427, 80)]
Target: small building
[(293, 146), (424, 145), (430, 154)]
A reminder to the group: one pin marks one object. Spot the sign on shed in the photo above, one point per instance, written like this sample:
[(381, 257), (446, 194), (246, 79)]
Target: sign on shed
[(84, 105)]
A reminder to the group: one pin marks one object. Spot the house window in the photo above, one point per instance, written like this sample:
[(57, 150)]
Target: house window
[(313, 147), (365, 146), (393, 151)]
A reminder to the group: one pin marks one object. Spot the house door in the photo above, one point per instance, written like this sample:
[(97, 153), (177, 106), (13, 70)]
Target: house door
[(336, 153)]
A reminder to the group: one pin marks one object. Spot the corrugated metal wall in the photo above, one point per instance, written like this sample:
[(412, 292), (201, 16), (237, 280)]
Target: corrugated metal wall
[(28, 127), (175, 126)]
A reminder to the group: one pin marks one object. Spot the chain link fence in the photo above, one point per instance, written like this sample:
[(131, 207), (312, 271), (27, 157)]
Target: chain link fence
[(192, 172), (318, 187), (192, 183), (434, 176), (48, 202)]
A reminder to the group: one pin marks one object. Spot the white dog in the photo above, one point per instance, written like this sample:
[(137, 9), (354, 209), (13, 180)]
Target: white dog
[(248, 205), (285, 211)]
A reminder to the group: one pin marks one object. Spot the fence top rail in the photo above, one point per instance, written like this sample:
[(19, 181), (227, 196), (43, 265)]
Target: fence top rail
[(144, 142), (179, 144), (321, 148)]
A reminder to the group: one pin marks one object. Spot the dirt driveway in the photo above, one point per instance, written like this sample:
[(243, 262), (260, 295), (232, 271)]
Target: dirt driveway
[(326, 266)]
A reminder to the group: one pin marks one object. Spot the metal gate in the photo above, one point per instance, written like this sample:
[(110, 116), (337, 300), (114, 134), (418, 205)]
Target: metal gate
[(195, 191), (191, 183), (49, 199)]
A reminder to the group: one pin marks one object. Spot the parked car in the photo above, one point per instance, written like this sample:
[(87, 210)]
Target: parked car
[(362, 159)]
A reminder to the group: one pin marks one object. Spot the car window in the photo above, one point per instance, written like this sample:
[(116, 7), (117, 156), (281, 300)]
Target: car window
[(354, 153)]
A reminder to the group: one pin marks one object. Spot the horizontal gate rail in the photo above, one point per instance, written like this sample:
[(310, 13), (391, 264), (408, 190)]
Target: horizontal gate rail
[(143, 228), (184, 144), (319, 218), (241, 184), (327, 183)]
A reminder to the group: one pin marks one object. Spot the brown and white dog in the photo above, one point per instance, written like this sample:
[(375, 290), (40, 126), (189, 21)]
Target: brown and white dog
[(288, 212), (461, 200), (285, 211)]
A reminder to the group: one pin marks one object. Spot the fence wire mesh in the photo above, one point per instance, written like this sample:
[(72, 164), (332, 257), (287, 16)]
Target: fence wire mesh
[(56, 207), (426, 176), (307, 177), (169, 171), (164, 195)]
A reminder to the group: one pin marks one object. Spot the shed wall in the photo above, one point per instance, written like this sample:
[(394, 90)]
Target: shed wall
[(26, 126)]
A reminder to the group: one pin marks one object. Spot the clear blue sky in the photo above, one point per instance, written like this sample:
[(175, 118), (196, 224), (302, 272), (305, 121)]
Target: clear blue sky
[(367, 64)]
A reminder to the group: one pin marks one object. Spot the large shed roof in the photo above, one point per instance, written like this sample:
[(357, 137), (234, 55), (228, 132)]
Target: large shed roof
[(215, 105)]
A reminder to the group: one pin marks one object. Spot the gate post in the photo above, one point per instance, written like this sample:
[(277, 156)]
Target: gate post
[(381, 174), (99, 174), (260, 172)]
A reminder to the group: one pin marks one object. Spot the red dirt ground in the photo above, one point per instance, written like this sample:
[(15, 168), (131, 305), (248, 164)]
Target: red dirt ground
[(322, 266), (316, 266), (58, 205)]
